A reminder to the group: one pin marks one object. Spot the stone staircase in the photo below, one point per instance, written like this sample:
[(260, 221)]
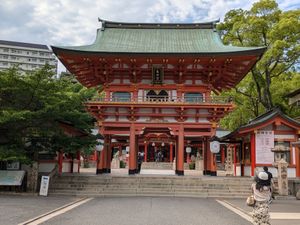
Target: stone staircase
[(157, 165), (151, 185)]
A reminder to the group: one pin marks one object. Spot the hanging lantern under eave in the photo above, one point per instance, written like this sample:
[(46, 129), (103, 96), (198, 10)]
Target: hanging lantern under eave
[(188, 149), (99, 148), (127, 149)]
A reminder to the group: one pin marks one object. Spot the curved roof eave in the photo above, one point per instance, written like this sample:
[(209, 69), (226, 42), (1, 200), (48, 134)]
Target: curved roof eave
[(73, 50)]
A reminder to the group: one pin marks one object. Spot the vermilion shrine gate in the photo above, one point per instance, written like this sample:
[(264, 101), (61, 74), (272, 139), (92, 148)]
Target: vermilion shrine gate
[(158, 81)]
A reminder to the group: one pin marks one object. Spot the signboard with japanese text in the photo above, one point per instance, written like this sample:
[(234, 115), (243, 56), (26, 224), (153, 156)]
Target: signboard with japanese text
[(264, 142), (44, 185)]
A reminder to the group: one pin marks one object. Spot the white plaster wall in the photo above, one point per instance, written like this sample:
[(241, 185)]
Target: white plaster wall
[(168, 110), (169, 81), (143, 119), (111, 110), (110, 118), (284, 136), (116, 81), (247, 171), (145, 110), (123, 118), (198, 82), (126, 81), (273, 170), (140, 95), (188, 82), (170, 119), (204, 111), (191, 111), (75, 166), (203, 120), (189, 120), (123, 110), (238, 171), (66, 168), (46, 167), (145, 81)]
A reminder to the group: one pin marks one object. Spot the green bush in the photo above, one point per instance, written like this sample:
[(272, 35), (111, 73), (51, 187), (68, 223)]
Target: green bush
[(192, 165), (122, 164)]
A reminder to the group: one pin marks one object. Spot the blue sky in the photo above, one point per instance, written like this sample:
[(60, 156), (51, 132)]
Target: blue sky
[(74, 22)]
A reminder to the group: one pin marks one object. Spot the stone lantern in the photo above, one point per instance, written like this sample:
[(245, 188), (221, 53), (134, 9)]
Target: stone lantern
[(281, 165)]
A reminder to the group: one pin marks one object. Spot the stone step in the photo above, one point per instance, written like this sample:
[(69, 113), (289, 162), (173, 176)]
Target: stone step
[(107, 185)]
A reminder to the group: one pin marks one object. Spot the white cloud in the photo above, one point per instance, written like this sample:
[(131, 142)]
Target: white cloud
[(70, 22)]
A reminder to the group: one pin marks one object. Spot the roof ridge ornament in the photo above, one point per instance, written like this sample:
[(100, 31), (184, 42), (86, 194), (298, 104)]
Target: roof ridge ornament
[(102, 21)]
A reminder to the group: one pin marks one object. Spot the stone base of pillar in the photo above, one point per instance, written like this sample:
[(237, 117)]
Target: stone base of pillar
[(213, 173), (99, 171), (179, 172), (132, 172), (107, 170), (206, 172)]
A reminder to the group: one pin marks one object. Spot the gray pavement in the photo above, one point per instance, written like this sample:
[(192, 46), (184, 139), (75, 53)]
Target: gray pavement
[(15, 209), (149, 211), (279, 208)]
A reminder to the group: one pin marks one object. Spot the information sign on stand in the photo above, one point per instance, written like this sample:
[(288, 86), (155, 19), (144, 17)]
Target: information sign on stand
[(44, 185)]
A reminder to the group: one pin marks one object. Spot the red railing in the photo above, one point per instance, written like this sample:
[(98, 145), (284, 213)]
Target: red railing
[(166, 100)]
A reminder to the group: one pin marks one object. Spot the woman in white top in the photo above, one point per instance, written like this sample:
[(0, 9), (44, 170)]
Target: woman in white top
[(262, 195)]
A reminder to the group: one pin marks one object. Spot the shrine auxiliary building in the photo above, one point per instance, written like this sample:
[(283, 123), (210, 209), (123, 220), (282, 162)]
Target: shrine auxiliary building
[(158, 81)]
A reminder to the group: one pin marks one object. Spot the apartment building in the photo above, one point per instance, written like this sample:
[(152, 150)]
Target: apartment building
[(27, 55)]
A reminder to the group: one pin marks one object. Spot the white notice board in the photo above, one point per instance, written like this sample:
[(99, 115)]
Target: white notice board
[(44, 185), (264, 142)]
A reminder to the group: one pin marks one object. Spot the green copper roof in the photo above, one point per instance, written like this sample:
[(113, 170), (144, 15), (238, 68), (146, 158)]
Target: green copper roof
[(158, 38)]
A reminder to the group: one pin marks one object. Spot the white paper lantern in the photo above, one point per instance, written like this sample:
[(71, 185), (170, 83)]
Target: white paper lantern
[(99, 148), (188, 149)]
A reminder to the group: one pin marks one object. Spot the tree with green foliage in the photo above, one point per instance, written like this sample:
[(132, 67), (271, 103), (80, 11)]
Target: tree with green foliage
[(264, 25), (32, 107)]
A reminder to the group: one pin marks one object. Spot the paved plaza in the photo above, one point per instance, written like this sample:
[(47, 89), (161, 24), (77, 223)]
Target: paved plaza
[(18, 209)]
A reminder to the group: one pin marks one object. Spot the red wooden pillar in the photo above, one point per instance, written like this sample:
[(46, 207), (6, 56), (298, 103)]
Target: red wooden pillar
[(234, 159), (95, 155), (204, 155), (100, 162), (60, 162), (180, 151), (120, 151), (297, 155), (145, 152), (223, 155), (108, 159), (104, 156), (212, 161), (132, 151), (171, 152), (252, 143), (79, 161)]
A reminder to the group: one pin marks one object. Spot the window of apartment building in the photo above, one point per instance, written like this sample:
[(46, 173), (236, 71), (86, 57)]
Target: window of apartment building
[(34, 52), (42, 54), (13, 57), (33, 60), (29, 59), (27, 53), (42, 60), (5, 63), (13, 51), (5, 49)]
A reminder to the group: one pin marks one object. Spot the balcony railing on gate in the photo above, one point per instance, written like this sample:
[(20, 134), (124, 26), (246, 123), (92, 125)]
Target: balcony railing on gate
[(166, 100)]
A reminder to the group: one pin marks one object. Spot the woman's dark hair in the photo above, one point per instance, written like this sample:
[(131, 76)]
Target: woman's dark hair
[(259, 183)]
